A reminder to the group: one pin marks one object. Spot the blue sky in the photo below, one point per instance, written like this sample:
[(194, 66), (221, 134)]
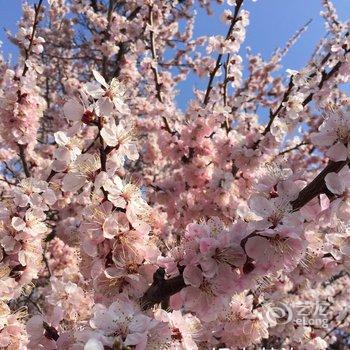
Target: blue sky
[(272, 23)]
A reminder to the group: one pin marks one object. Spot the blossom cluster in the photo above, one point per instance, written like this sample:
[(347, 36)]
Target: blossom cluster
[(127, 223)]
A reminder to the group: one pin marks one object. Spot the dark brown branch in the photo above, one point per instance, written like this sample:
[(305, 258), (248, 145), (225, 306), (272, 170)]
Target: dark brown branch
[(94, 5), (308, 99), (50, 332), (27, 52), (274, 114), (161, 289), (107, 35), (218, 60), (325, 77), (23, 159), (47, 263), (103, 154), (317, 185), (226, 124), (155, 71), (87, 149), (337, 325), (51, 175), (226, 64), (124, 46), (15, 176), (155, 58), (134, 13), (293, 148)]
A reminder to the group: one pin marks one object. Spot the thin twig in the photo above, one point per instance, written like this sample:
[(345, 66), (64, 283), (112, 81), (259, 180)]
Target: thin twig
[(325, 76), (46, 261), (226, 65), (107, 35), (27, 52), (124, 46), (155, 70), (23, 159), (293, 148), (337, 325), (34, 304), (274, 114), (218, 60), (91, 144)]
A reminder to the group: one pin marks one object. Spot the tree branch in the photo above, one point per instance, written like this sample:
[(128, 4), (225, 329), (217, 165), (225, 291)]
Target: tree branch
[(155, 70), (94, 5), (318, 185), (293, 148), (123, 46), (308, 99), (161, 289), (218, 60), (27, 53), (107, 36), (226, 124), (23, 159), (273, 115), (35, 25)]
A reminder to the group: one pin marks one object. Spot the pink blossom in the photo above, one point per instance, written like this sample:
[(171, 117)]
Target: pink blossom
[(338, 183), (111, 94)]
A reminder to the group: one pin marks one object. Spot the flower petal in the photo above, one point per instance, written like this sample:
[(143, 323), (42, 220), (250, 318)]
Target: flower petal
[(334, 183), (100, 78), (73, 110), (338, 152), (18, 224)]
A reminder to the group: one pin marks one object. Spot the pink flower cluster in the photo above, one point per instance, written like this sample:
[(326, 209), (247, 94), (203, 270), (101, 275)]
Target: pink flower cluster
[(127, 223)]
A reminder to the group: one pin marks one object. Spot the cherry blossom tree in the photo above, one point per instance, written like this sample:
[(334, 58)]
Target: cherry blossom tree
[(128, 223)]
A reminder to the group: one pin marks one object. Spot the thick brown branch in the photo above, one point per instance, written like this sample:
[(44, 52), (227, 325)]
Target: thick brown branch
[(317, 185), (103, 154), (161, 289)]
